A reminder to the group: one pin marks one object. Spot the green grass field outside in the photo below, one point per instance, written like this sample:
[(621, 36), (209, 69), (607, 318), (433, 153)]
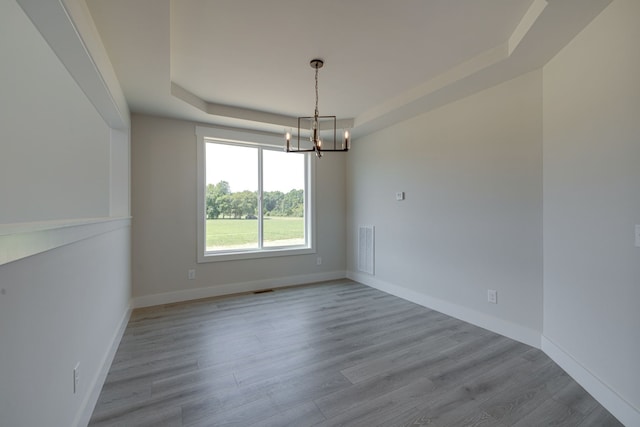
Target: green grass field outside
[(243, 233)]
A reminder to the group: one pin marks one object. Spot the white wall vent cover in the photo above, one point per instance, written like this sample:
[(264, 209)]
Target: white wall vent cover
[(366, 248)]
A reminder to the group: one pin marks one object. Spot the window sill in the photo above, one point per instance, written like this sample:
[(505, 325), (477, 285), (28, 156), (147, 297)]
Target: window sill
[(253, 254)]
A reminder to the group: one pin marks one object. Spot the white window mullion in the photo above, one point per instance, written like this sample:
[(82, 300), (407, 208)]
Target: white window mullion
[(260, 194), (309, 201)]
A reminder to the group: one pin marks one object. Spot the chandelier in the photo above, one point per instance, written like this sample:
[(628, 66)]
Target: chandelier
[(317, 133)]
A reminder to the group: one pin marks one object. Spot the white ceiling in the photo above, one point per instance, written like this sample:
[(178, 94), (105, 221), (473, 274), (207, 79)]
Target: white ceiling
[(246, 62)]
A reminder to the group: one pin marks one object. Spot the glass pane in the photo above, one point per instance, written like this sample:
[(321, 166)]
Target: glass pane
[(283, 198), (231, 197)]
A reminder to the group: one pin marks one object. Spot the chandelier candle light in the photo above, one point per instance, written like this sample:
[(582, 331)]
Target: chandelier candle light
[(319, 127)]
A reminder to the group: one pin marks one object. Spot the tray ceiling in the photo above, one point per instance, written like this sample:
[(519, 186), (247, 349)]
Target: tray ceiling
[(246, 62)]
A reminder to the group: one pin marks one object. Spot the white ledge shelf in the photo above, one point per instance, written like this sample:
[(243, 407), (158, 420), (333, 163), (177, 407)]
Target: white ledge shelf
[(22, 240)]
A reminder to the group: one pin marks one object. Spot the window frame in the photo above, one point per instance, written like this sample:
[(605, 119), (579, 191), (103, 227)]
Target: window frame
[(264, 141)]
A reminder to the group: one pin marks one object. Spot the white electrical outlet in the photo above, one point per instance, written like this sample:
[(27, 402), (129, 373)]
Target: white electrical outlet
[(638, 235), (492, 296), (192, 274), (319, 260), (400, 195), (76, 378)]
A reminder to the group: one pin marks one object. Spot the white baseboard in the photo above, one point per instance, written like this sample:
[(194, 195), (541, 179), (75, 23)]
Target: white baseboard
[(234, 288), (612, 401), (90, 400), (626, 413), (500, 326)]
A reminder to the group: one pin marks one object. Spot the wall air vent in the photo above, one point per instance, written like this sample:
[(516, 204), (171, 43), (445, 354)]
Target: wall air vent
[(366, 240)]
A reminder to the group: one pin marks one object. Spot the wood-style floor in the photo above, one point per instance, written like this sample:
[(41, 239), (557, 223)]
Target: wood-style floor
[(331, 354)]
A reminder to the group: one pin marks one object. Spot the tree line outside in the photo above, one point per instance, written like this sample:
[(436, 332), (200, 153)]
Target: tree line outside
[(222, 203)]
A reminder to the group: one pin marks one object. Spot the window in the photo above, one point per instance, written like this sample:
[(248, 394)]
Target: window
[(254, 200)]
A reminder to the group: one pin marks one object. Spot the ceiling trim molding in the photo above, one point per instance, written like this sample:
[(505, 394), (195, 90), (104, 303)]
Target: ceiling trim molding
[(526, 23), (228, 111), (186, 96), (440, 82), (418, 95), (60, 24)]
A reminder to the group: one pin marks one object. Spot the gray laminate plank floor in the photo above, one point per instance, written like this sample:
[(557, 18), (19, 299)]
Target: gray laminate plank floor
[(330, 354)]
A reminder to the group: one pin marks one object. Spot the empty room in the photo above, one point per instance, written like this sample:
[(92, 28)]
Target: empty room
[(356, 213)]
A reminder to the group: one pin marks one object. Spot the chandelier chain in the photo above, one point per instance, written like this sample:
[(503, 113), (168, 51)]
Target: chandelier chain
[(316, 91)]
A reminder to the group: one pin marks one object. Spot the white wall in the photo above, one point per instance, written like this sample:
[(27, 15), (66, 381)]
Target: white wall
[(59, 308), (50, 167), (120, 173), (591, 204), (163, 156), (472, 218), (64, 232)]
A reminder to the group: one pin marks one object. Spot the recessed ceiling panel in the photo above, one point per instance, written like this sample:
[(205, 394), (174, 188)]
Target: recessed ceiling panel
[(385, 61), (256, 54)]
